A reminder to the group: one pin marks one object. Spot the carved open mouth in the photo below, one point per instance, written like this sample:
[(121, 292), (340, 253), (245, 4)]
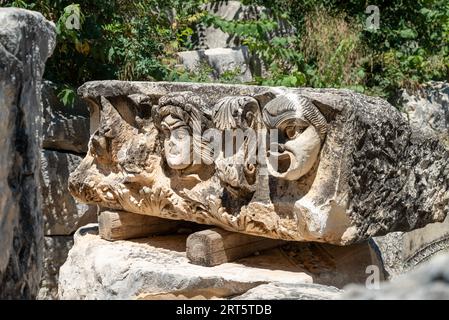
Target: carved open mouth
[(279, 163)]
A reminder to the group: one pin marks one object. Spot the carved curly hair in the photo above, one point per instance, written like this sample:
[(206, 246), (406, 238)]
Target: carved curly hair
[(189, 108), (284, 107)]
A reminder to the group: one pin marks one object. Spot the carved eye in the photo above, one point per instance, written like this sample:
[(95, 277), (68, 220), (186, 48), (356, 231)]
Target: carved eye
[(165, 130), (180, 134), (292, 132)]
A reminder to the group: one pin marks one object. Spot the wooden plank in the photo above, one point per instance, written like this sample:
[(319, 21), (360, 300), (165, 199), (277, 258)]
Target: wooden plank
[(216, 246), (121, 225)]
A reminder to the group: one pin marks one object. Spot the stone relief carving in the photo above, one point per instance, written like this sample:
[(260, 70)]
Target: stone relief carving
[(272, 163), (302, 130), (238, 120), (181, 118)]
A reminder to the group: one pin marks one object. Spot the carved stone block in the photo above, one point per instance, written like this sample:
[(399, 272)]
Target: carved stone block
[(300, 164)]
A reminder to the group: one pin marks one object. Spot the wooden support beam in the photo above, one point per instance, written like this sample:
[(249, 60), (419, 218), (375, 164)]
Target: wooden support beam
[(122, 225), (216, 246)]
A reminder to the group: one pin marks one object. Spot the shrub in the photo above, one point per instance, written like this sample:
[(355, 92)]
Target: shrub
[(330, 45)]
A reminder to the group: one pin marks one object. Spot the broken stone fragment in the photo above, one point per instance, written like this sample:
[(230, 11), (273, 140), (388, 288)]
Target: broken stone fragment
[(429, 281), (62, 214), (222, 61), (65, 128), (302, 164), (428, 108), (99, 269), (157, 268), (275, 291), (27, 39), (56, 249), (210, 37)]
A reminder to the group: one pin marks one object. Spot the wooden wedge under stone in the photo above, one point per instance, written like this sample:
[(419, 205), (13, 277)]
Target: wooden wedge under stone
[(216, 246), (122, 225)]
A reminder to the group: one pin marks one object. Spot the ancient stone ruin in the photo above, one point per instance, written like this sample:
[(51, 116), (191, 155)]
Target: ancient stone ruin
[(342, 167), (27, 39), (220, 191)]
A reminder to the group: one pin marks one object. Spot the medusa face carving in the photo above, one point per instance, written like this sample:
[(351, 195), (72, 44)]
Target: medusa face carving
[(177, 142), (179, 117), (301, 131)]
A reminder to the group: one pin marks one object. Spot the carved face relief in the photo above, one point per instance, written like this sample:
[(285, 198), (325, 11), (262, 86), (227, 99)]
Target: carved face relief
[(301, 131), (177, 143), (181, 117), (237, 117), (235, 112)]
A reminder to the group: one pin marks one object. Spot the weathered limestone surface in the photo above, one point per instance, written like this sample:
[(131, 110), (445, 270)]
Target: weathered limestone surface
[(225, 53), (429, 281), (157, 268), (65, 128), (98, 269), (403, 251), (62, 214), (65, 137), (275, 291), (26, 41), (428, 108), (235, 61), (56, 249), (210, 37), (350, 166)]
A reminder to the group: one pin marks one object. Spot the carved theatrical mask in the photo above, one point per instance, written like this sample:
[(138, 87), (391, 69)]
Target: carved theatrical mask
[(237, 118), (345, 168), (301, 131), (178, 116), (177, 143)]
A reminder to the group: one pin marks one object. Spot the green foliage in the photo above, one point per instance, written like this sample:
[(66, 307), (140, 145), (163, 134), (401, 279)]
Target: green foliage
[(202, 74), (279, 54), (67, 96), (118, 39), (297, 61), (410, 47), (330, 45)]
